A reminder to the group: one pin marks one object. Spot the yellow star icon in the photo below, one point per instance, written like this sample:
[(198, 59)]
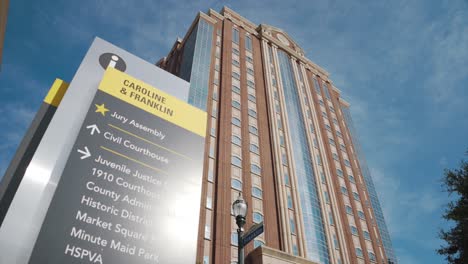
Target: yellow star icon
[(101, 109)]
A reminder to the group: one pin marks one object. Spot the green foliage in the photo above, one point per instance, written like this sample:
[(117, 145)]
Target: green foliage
[(455, 183)]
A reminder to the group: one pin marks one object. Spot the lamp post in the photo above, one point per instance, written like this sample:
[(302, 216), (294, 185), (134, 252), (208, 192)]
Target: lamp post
[(239, 207)]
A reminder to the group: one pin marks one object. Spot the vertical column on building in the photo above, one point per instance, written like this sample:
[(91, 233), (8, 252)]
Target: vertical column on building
[(293, 213), (275, 139), (204, 245), (334, 177), (325, 175), (307, 116), (360, 187)]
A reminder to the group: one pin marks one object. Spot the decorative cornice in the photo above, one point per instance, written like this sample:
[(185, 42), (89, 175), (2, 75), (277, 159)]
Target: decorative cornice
[(265, 33), (206, 17), (344, 102)]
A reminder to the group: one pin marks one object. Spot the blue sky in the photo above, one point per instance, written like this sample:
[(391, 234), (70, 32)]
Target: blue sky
[(403, 66)]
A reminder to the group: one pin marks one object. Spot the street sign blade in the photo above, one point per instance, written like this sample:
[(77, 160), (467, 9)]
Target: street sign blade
[(253, 232)]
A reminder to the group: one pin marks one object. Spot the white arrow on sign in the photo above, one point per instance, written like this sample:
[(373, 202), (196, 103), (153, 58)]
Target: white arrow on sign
[(86, 153), (93, 128)]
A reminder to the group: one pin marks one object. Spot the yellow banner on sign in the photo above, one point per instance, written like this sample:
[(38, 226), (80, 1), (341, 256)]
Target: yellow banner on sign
[(153, 100)]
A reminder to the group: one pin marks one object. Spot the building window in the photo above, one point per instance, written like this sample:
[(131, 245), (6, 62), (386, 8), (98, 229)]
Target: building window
[(254, 148), (290, 203), (335, 156), (324, 115), (346, 162), (295, 251), (372, 256), (255, 169), (335, 242), (257, 217), (359, 252), (236, 89), (236, 184), (361, 215), (236, 140), (284, 159), (327, 197), (236, 76), (256, 192), (258, 243), (234, 237), (344, 190), (349, 210), (325, 89), (252, 113), (286, 178), (328, 127), (235, 51), (331, 141), (354, 230), (236, 161), (250, 84), (236, 105), (366, 235), (235, 35), (282, 140), (209, 202), (235, 63), (319, 160), (356, 196), (322, 177), (252, 98), (249, 59), (253, 130), (248, 43), (338, 133), (236, 121), (316, 86), (330, 218), (339, 172), (342, 147), (206, 260), (351, 179), (207, 232), (250, 71), (293, 226)]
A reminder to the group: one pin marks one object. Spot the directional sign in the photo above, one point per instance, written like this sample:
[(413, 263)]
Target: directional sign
[(253, 232), (137, 199)]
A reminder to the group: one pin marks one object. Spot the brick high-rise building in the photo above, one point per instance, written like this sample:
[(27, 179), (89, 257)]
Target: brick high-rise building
[(281, 134)]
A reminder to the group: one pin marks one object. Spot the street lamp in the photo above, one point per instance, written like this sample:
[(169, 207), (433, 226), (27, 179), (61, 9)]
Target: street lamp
[(239, 207)]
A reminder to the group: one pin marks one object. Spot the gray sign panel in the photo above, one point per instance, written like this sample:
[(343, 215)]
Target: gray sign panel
[(253, 232), (28, 209)]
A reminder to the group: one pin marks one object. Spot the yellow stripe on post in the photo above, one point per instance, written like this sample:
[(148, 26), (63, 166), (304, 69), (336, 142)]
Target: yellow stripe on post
[(56, 92), (153, 100)]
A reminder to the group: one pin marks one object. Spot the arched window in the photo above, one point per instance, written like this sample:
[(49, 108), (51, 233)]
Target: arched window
[(236, 89), (236, 104), (236, 140), (254, 148), (256, 192), (234, 239), (236, 184), (236, 121), (257, 217), (236, 161), (252, 113), (258, 243), (255, 169), (253, 130)]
